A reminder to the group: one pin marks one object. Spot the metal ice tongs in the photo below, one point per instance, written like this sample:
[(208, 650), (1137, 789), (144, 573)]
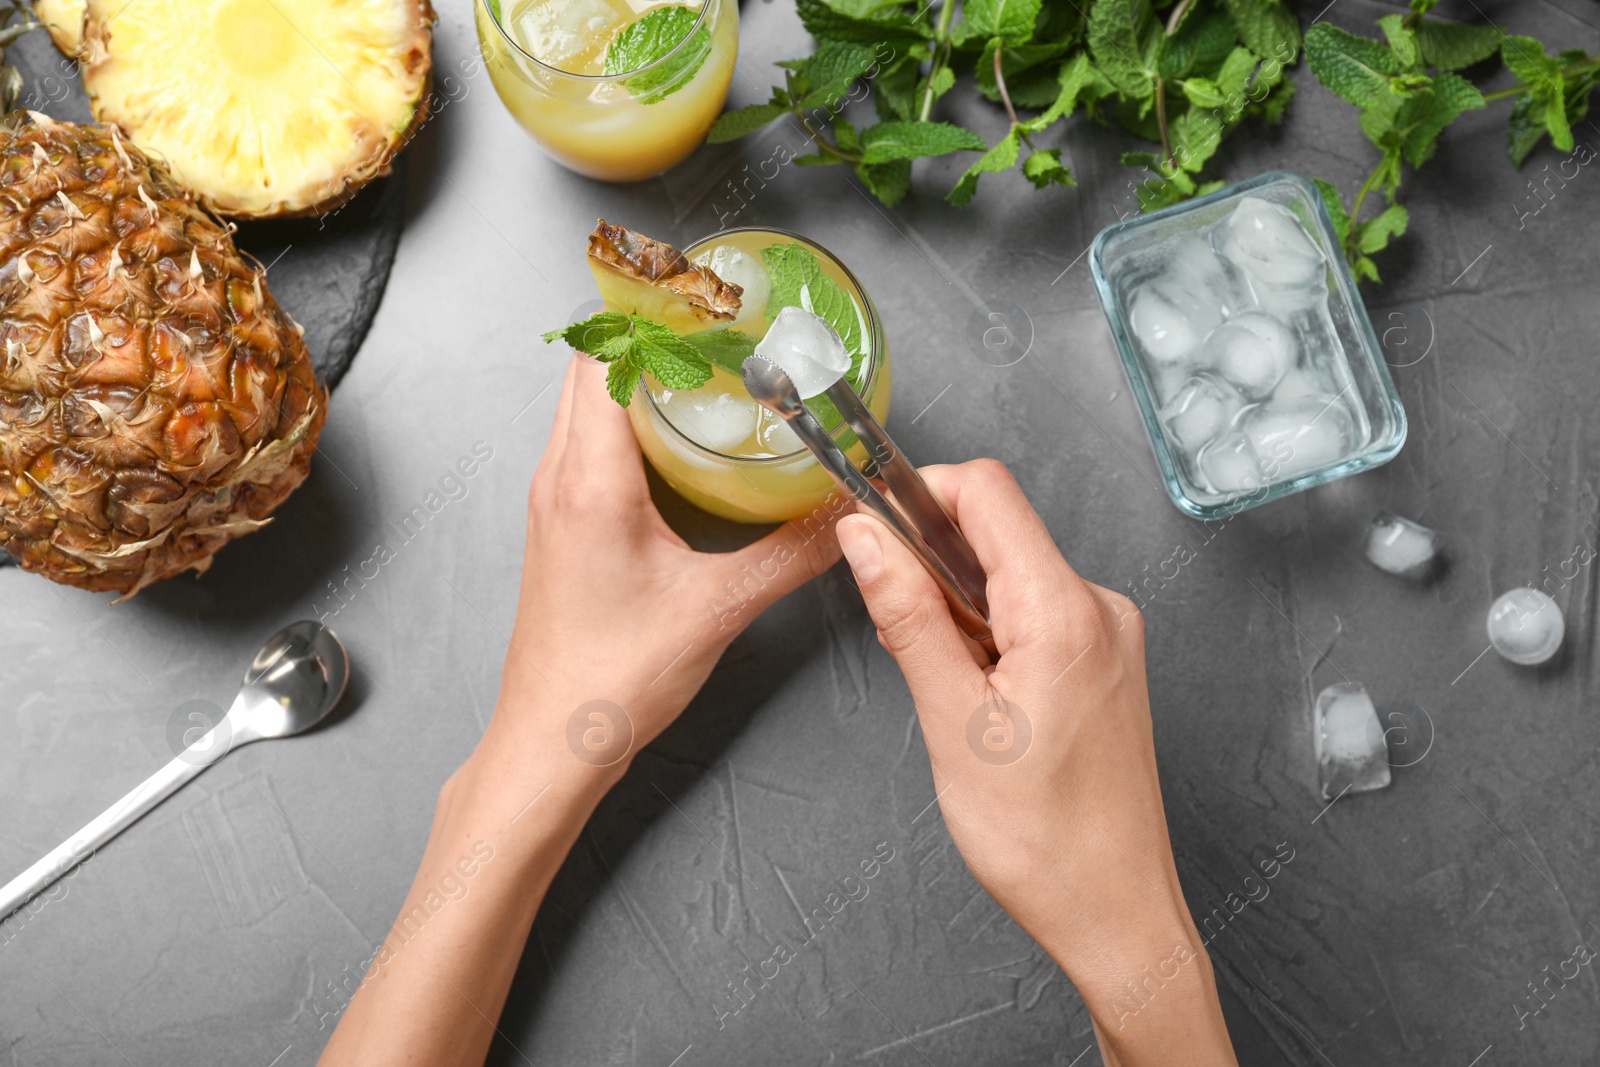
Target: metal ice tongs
[(915, 517)]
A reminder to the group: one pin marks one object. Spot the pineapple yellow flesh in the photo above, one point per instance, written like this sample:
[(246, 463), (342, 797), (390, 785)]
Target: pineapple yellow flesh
[(637, 275), (64, 20), (263, 107)]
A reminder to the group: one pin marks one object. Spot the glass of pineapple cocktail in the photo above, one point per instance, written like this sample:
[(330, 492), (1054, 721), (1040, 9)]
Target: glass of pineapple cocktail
[(618, 90), (712, 304)]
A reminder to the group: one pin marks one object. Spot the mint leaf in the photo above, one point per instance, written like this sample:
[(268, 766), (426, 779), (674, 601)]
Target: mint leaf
[(1267, 27), (1199, 46), (1079, 80), (1356, 69), (1277, 103), (889, 182), (660, 46), (1402, 39), (621, 379), (939, 82), (822, 79), (894, 90), (732, 125), (798, 280), (592, 333), (1203, 93), (1428, 113), (1010, 20), (1119, 31), (1336, 211), (1452, 46), (723, 347), (913, 140), (1525, 129), (889, 25), (1003, 156), (1374, 234), (845, 136), (1525, 58), (631, 345), (1045, 168), (1236, 79), (674, 362)]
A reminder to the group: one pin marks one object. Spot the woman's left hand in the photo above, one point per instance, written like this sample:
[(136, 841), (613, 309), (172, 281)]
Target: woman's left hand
[(616, 607)]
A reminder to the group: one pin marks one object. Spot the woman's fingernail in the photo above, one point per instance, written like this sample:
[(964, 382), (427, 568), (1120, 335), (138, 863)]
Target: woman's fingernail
[(860, 547)]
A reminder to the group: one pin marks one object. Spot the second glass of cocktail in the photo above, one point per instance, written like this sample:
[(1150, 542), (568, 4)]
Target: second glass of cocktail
[(614, 89)]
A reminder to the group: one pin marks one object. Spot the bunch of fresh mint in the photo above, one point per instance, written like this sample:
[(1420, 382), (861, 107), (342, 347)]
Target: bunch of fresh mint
[(1408, 90), (1180, 74), (633, 344)]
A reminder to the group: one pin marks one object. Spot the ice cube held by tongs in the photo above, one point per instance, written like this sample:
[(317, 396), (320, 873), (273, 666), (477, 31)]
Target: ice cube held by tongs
[(802, 356)]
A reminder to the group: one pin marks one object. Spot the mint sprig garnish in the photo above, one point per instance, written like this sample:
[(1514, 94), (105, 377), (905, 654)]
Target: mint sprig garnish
[(631, 345), (653, 39)]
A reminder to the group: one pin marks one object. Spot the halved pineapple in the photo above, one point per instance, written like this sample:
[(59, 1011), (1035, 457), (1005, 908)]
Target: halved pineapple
[(264, 107), (64, 20), (638, 275)]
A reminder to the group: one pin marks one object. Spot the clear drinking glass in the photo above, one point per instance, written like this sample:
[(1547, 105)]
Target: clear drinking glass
[(757, 482), (621, 127), (1339, 358)]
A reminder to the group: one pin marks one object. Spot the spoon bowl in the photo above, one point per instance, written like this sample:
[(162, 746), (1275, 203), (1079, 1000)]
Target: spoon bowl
[(292, 684)]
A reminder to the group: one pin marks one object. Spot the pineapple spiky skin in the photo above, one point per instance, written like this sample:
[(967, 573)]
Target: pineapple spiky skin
[(265, 108), (64, 20), (154, 401), (638, 275)]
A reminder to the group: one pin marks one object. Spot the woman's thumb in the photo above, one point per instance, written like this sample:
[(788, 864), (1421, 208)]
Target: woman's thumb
[(913, 620)]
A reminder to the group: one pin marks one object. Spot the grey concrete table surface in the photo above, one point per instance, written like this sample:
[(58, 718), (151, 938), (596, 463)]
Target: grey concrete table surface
[(229, 926)]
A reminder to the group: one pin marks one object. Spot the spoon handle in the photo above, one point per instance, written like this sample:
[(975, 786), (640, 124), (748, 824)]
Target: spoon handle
[(115, 819)]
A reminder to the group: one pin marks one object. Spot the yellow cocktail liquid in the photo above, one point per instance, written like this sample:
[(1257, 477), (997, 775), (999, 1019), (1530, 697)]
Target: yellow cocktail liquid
[(547, 61)]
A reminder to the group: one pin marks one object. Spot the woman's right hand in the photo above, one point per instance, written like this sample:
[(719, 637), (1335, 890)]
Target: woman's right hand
[(1044, 763)]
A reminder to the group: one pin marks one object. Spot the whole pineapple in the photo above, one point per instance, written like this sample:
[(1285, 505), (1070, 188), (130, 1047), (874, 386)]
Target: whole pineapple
[(154, 401)]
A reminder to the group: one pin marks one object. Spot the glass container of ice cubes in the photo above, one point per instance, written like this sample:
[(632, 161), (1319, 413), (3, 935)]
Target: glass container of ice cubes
[(1246, 345), (718, 448)]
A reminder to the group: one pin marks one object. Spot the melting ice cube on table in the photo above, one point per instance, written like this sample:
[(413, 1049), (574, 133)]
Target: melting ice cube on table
[(1199, 411), (1525, 626), (710, 417), (807, 349), (1351, 751), (1252, 350), (1401, 547), (740, 268)]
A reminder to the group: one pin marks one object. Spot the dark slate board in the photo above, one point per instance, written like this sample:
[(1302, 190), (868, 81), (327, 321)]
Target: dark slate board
[(328, 272)]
